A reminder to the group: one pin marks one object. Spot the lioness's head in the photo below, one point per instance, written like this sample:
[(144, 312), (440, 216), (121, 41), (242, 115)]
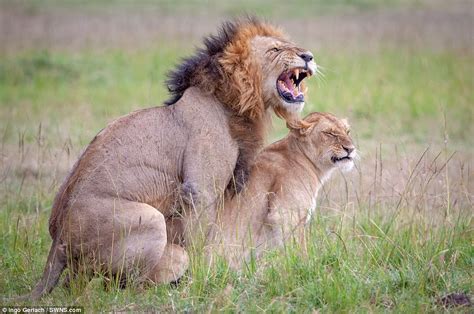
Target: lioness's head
[(249, 66), (326, 141)]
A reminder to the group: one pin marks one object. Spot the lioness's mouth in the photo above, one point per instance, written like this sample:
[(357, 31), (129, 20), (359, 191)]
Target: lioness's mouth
[(289, 84), (336, 159)]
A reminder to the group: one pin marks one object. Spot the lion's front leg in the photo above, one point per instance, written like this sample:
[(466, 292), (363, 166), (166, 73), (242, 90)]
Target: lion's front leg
[(206, 172), (249, 136), (240, 176)]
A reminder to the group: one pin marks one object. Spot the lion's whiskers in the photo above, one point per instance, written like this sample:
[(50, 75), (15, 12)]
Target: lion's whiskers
[(320, 76)]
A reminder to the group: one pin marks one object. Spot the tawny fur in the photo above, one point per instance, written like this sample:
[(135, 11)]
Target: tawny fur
[(281, 191), (155, 164)]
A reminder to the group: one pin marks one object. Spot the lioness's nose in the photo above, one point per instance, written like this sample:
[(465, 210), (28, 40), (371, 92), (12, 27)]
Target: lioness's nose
[(349, 150), (307, 56)]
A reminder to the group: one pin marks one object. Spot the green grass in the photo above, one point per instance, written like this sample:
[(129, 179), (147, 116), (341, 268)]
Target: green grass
[(371, 252), (360, 266)]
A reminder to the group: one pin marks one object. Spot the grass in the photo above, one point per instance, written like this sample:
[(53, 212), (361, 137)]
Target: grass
[(367, 265), (395, 235)]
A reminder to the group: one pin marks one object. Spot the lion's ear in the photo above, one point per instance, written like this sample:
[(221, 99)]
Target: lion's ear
[(346, 123)]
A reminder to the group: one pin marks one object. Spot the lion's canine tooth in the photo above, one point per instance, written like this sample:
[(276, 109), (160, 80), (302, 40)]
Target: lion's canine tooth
[(297, 73)]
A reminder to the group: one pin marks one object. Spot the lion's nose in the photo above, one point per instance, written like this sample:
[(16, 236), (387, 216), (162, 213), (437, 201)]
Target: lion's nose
[(349, 150), (306, 56)]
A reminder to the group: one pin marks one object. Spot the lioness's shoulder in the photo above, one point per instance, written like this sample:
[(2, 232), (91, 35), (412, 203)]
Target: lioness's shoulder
[(273, 160)]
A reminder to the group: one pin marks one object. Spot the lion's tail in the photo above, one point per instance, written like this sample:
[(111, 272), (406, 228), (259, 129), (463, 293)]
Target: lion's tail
[(55, 265)]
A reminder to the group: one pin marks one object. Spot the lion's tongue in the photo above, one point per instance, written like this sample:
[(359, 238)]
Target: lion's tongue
[(292, 88), (289, 83)]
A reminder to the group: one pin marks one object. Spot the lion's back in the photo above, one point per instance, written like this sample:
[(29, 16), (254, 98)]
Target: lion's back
[(144, 149)]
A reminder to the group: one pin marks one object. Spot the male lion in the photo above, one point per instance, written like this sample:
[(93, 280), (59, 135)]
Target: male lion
[(110, 213), (282, 188)]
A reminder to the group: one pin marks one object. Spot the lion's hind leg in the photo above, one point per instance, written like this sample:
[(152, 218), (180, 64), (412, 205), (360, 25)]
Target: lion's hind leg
[(137, 243), (145, 251), (126, 241)]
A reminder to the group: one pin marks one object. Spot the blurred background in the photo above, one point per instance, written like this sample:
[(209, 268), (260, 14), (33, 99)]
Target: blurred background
[(401, 71)]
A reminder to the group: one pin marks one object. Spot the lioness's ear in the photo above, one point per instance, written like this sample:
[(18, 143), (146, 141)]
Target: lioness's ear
[(300, 127), (294, 122)]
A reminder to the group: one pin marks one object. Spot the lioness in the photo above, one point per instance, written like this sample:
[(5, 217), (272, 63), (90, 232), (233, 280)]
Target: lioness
[(282, 189), (110, 213)]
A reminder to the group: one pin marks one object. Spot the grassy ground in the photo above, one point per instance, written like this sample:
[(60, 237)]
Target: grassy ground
[(396, 234)]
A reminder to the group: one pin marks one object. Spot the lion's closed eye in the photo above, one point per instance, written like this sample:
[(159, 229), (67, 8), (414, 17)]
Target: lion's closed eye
[(274, 49)]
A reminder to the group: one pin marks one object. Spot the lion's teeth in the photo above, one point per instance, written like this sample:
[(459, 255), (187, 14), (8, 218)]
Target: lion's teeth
[(282, 86), (297, 73)]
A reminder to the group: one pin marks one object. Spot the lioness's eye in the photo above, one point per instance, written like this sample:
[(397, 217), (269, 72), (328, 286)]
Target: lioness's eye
[(329, 133), (275, 49)]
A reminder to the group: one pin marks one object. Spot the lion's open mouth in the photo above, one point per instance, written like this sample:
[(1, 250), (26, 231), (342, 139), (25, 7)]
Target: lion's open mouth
[(289, 84)]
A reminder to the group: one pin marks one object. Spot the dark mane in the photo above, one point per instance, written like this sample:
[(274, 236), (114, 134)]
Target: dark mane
[(204, 60)]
